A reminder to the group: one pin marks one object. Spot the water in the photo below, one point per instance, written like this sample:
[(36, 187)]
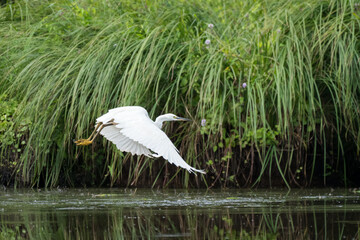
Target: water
[(179, 214)]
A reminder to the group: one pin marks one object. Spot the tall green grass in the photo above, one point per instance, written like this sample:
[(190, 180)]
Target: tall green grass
[(66, 63)]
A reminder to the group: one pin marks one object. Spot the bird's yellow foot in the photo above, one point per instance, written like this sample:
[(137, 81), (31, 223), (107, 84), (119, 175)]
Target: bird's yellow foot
[(83, 142)]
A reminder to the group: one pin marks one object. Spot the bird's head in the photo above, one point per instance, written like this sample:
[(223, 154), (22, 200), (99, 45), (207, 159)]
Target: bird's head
[(168, 117)]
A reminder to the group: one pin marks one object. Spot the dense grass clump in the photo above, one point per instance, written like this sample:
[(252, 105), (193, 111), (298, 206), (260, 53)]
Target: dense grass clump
[(276, 81)]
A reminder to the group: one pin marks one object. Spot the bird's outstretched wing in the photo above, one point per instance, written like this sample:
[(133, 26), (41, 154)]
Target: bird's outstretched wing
[(138, 132), (124, 143), (114, 135)]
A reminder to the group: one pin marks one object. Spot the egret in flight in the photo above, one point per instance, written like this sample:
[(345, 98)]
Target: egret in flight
[(131, 130)]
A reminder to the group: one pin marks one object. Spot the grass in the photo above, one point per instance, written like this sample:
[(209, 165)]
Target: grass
[(66, 63)]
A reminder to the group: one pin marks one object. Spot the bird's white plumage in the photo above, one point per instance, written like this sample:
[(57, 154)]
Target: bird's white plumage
[(123, 143), (133, 131)]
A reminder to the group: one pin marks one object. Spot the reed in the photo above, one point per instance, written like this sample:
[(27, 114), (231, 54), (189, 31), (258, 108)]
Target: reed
[(66, 63)]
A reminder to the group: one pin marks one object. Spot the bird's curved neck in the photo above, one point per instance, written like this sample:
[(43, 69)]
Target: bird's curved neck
[(159, 121)]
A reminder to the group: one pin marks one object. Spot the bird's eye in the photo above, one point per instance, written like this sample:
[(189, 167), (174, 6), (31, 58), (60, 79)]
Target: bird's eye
[(174, 117)]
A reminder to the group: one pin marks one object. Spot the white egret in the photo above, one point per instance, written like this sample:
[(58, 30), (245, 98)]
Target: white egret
[(131, 130)]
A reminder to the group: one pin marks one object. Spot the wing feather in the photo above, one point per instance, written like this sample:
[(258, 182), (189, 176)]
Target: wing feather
[(124, 143)]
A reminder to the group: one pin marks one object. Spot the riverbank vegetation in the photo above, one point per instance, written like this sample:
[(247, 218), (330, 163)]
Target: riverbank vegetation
[(272, 88)]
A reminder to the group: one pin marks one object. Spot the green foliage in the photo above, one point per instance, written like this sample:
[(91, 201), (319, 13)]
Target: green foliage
[(262, 136), (66, 63), (13, 138), (9, 233), (9, 134), (7, 109)]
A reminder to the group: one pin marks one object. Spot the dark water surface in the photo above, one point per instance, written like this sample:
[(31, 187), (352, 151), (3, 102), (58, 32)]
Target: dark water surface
[(179, 214)]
